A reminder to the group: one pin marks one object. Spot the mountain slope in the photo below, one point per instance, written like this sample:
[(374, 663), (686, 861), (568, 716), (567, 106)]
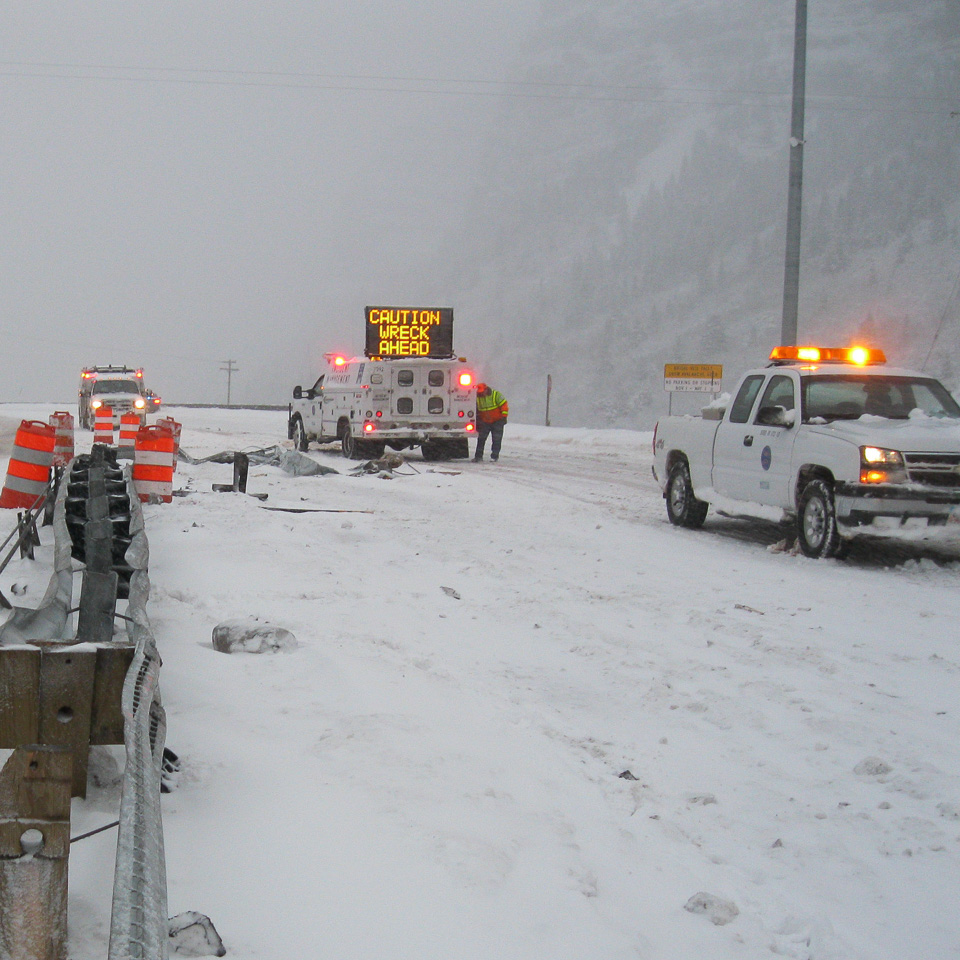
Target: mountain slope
[(634, 206)]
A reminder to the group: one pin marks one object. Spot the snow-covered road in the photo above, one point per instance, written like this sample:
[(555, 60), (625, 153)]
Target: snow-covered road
[(528, 719)]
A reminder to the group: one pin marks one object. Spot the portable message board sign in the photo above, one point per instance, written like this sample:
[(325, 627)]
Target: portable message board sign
[(409, 332)]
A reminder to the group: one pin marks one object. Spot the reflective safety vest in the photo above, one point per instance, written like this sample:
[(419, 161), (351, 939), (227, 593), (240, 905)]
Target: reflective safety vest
[(492, 407)]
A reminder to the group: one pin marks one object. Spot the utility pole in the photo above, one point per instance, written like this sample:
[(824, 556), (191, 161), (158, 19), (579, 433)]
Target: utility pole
[(791, 267), (230, 370)]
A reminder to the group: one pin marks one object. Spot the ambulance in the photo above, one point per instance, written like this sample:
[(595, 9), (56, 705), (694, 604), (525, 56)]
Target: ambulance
[(368, 404)]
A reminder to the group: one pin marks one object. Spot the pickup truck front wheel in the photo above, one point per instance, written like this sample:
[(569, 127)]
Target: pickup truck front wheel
[(817, 522), (300, 441), (683, 508)]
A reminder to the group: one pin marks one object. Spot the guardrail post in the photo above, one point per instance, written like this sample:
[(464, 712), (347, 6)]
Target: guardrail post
[(34, 849)]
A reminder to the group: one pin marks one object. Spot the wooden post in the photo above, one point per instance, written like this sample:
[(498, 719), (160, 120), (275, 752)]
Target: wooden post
[(241, 466), (34, 851), (549, 388)]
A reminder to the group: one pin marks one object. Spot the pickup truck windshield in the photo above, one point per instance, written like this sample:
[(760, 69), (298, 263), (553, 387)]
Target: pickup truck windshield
[(116, 386), (848, 397)]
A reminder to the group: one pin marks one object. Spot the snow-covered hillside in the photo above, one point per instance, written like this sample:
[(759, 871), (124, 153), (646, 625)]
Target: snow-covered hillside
[(528, 719), (636, 214)]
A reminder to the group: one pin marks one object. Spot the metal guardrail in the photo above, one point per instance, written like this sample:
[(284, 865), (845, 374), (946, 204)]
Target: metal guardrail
[(138, 925)]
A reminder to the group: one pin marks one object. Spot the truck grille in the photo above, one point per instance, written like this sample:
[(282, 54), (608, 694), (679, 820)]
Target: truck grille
[(934, 469)]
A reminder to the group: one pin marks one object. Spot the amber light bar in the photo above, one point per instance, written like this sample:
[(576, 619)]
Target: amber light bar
[(860, 356)]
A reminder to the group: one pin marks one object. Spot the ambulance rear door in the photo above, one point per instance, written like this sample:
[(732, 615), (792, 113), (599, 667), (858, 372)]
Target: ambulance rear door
[(420, 389)]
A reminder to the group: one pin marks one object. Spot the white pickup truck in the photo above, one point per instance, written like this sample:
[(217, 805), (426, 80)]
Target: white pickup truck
[(832, 439)]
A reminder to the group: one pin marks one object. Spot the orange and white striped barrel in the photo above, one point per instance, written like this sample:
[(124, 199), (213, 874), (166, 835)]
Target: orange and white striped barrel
[(153, 463), (103, 425), (175, 428), (28, 472), (62, 423), (127, 442)]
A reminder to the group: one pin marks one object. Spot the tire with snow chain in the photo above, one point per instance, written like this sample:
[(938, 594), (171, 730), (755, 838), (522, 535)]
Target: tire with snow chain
[(817, 531), (300, 441), (683, 507), (348, 445)]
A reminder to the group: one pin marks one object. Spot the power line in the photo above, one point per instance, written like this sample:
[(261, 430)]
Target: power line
[(515, 89), (943, 319)]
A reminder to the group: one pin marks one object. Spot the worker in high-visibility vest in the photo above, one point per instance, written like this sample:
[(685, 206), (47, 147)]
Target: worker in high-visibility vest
[(492, 410)]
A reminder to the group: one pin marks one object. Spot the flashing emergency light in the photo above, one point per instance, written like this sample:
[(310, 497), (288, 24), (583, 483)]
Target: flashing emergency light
[(859, 356), (139, 374), (139, 403), (466, 379), (469, 428), (86, 375), (339, 361), (369, 427)]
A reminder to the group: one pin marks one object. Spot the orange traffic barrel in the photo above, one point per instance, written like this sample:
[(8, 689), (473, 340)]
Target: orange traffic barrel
[(62, 422), (103, 426), (28, 472), (127, 442), (175, 428), (153, 463)]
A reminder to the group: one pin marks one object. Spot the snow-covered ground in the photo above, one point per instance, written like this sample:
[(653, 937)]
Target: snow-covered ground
[(527, 719)]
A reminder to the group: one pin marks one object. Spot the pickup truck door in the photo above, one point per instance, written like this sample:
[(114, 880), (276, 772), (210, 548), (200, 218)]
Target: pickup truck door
[(752, 458), (733, 445), (776, 420)]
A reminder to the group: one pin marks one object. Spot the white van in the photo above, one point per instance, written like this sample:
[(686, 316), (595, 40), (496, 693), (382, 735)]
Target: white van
[(369, 404)]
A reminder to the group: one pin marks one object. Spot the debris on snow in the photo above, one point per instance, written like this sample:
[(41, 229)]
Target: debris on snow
[(169, 771), (872, 767), (383, 468), (789, 547), (193, 935), (450, 592), (252, 636), (949, 810), (717, 910), (626, 775)]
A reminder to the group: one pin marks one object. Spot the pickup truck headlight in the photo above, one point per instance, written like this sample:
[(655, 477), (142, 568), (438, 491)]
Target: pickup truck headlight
[(881, 466)]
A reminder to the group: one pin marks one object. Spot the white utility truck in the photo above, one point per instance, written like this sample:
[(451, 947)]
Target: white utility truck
[(408, 391), (829, 438), (118, 387)]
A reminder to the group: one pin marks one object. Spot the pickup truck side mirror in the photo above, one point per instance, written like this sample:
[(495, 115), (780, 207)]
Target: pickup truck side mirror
[(297, 392), (775, 416)]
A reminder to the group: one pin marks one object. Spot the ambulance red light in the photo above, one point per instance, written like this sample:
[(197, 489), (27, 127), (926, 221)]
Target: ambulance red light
[(466, 379), (469, 428), (339, 361), (139, 374), (369, 427), (460, 413)]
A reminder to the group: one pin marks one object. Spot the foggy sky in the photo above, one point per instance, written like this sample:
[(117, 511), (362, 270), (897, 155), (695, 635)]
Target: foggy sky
[(184, 183)]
